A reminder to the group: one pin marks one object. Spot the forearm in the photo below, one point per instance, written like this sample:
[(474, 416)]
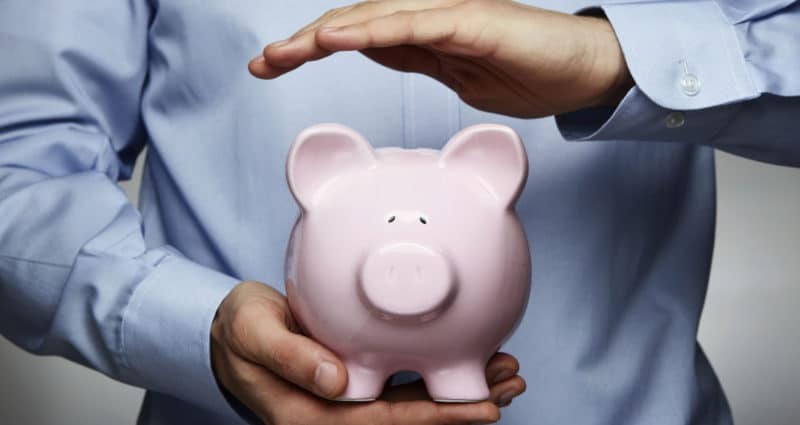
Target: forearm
[(76, 276), (702, 78), (79, 281)]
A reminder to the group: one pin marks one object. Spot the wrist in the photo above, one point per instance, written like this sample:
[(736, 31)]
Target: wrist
[(607, 65)]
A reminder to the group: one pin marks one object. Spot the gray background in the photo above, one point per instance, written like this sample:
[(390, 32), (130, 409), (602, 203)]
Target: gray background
[(749, 328)]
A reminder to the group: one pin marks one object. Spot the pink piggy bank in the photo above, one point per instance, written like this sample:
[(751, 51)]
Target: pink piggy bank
[(409, 259)]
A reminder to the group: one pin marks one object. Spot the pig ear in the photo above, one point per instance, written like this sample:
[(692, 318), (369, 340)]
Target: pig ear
[(321, 153), (495, 154)]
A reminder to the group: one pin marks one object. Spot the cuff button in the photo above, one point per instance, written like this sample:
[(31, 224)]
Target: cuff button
[(690, 84), (675, 120)]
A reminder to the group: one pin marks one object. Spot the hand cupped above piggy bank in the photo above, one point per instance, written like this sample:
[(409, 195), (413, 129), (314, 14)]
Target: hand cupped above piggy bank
[(409, 259)]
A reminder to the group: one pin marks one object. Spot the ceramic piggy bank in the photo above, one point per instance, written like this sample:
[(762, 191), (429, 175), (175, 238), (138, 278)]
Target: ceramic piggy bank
[(409, 259)]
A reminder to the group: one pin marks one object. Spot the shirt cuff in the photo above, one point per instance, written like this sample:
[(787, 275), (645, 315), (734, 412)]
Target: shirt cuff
[(165, 338), (683, 55), (638, 118), (689, 72)]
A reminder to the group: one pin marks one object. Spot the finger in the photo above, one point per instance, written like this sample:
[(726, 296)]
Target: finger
[(418, 27), (421, 412), (406, 59), (423, 61), (328, 16), (259, 333), (281, 62), (359, 12), (259, 67), (303, 47), (285, 53), (253, 385), (501, 366), (501, 394)]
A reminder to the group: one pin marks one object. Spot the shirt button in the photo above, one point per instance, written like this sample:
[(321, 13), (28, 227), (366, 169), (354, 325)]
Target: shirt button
[(690, 84), (675, 120)]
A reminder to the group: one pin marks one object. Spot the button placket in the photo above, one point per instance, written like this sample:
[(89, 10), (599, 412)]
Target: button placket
[(428, 114)]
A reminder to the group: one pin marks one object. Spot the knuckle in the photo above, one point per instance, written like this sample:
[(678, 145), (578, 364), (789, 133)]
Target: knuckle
[(237, 336), (241, 322), (408, 19), (243, 378)]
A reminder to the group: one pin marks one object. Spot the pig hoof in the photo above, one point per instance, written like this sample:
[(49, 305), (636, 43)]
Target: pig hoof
[(364, 384), (458, 384)]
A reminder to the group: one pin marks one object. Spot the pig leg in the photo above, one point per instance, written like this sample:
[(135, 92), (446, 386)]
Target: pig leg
[(457, 383), (363, 383)]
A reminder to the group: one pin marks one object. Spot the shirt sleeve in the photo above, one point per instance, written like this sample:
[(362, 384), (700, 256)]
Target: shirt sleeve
[(76, 276), (719, 73)]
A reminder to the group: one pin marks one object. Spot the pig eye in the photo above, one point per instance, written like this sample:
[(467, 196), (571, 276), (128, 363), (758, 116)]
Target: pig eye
[(392, 219), (423, 220)]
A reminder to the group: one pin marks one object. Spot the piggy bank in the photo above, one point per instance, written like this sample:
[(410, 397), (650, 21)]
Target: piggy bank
[(409, 259)]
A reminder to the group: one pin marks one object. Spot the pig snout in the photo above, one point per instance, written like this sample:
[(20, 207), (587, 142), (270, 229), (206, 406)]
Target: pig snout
[(407, 281)]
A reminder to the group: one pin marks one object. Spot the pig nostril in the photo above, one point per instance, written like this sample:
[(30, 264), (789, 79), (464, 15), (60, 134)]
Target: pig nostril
[(423, 220), (392, 219)]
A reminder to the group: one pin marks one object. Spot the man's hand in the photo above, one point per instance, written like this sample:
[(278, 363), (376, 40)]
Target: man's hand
[(498, 55), (260, 357)]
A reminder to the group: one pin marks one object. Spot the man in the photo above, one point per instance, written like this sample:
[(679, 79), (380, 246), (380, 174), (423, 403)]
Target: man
[(621, 229)]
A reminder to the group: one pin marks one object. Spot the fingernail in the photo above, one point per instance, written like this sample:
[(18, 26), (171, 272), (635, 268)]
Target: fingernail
[(258, 59), (505, 398), (502, 376), (280, 43), (329, 29), (326, 378)]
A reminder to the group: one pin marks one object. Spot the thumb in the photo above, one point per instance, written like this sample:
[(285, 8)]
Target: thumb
[(260, 333)]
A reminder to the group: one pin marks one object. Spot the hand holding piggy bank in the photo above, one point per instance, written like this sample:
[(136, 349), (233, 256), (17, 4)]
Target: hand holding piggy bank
[(409, 259)]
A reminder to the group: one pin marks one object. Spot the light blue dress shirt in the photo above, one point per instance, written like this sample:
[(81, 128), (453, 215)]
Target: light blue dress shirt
[(621, 225)]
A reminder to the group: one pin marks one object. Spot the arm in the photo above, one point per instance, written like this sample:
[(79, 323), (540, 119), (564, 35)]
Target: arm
[(717, 73), (76, 277), (517, 60)]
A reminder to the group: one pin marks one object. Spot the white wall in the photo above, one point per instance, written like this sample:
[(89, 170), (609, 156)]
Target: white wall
[(751, 323), (750, 329)]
